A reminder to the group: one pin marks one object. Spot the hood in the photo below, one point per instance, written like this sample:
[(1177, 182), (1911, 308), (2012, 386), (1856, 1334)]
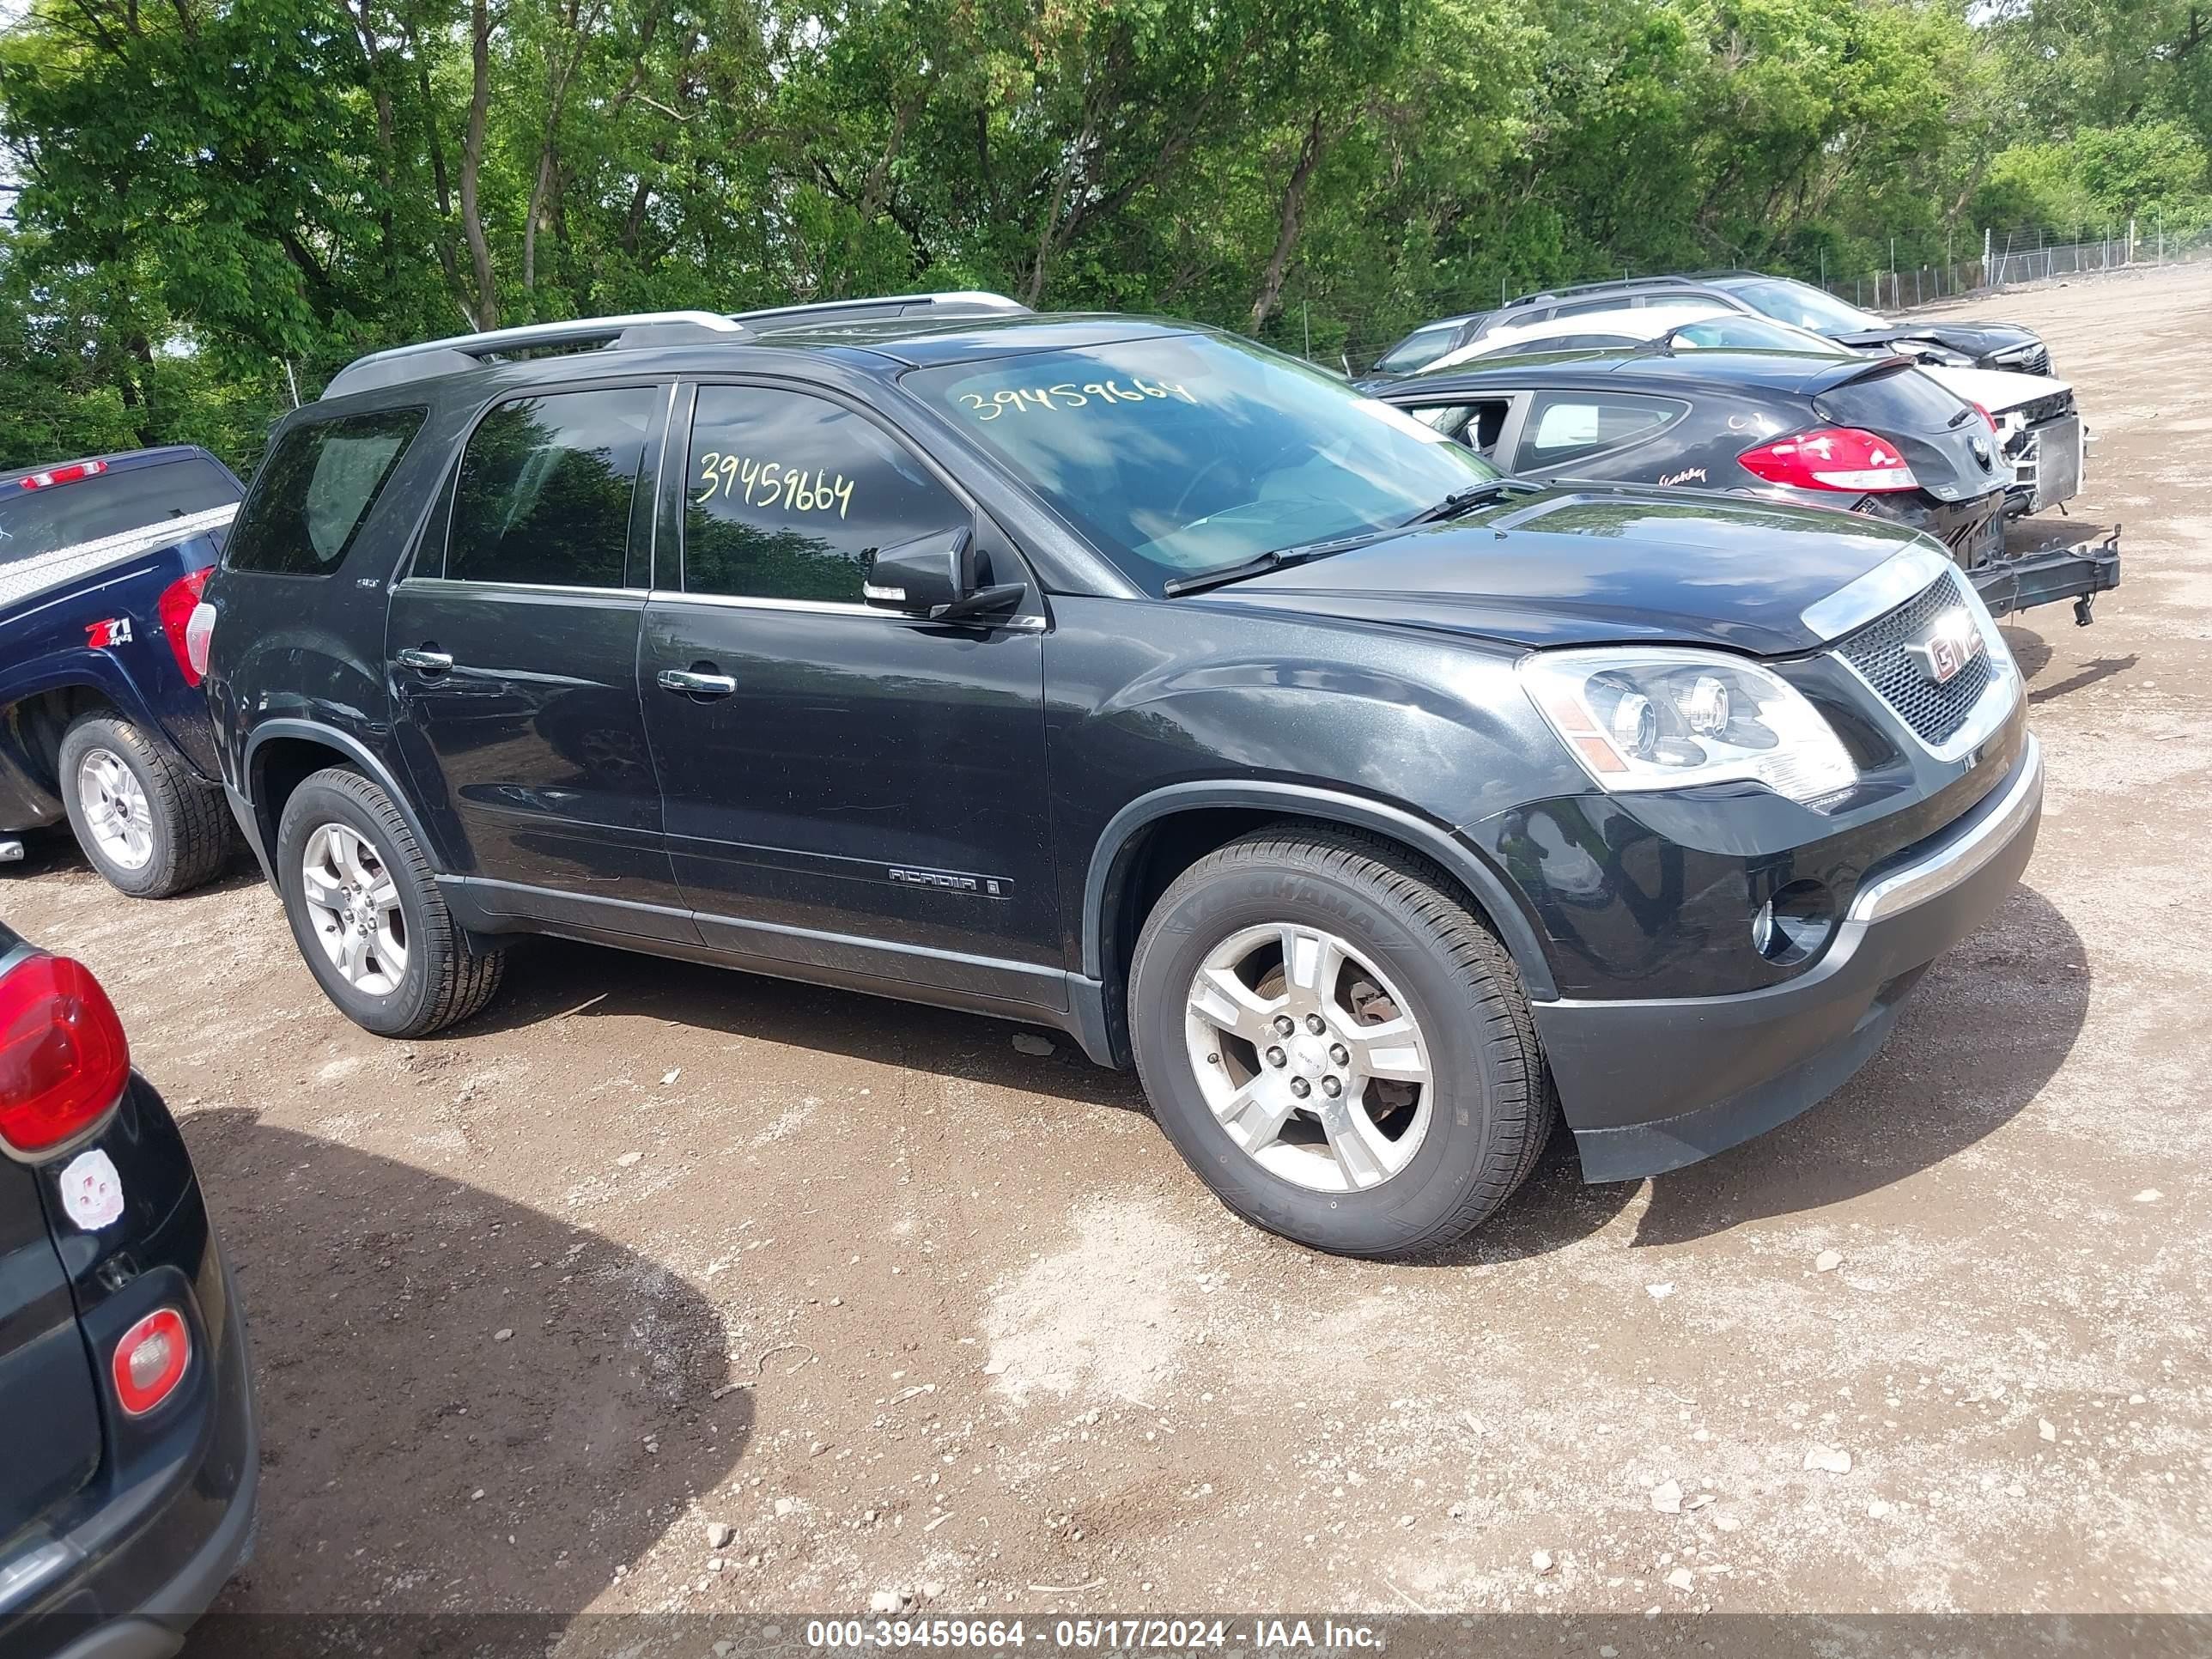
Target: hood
[(1981, 341), (1997, 390), (1582, 567)]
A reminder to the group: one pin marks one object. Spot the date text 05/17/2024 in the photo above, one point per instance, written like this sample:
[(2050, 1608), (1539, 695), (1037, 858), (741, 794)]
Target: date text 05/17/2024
[(1078, 1635)]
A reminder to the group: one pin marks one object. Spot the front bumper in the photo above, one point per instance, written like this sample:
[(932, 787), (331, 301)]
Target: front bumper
[(1652, 1084)]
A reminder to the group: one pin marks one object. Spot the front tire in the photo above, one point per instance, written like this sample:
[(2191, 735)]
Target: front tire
[(367, 913), (150, 828), (1336, 1044)]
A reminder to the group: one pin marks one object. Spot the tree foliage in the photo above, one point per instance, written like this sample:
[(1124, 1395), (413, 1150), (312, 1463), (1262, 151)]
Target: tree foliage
[(214, 196)]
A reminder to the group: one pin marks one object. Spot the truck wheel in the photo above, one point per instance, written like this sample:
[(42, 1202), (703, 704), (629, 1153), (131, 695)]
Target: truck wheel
[(1339, 1048), (367, 915), (147, 825)]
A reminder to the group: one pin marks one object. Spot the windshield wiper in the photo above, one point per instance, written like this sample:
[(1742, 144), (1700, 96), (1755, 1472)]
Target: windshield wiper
[(1275, 558), (1458, 502)]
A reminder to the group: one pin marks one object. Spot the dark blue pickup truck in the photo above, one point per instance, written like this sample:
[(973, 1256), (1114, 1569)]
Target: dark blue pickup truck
[(102, 717)]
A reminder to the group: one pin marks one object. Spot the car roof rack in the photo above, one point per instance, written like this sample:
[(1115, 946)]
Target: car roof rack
[(1618, 285), (401, 364), (820, 313)]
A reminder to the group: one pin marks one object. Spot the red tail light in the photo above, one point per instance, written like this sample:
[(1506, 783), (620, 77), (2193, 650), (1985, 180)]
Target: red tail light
[(150, 1360), (178, 602), (63, 1059), (62, 475), (1833, 458)]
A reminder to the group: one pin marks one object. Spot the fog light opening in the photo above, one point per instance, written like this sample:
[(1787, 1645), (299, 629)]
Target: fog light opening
[(1793, 925)]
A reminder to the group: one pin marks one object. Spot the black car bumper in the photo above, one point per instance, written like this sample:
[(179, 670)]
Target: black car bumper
[(1650, 1086), (133, 1596)]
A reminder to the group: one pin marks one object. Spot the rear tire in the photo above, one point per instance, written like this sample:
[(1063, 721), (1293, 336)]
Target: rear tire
[(367, 913), (1381, 1145), (150, 828)]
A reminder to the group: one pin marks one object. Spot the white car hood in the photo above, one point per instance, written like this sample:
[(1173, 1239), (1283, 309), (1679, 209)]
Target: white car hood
[(1997, 390)]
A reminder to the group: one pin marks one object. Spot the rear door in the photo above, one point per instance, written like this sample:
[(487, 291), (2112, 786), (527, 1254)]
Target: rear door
[(512, 651)]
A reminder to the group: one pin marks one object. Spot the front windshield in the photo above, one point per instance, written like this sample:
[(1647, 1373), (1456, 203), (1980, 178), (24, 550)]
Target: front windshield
[(1184, 453), (1418, 349), (1806, 306), (1737, 333)]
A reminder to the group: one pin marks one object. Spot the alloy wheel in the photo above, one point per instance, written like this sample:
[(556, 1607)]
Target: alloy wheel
[(116, 809), (1308, 1057), (353, 904)]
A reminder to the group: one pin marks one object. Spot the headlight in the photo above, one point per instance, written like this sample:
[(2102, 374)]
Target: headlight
[(1669, 718)]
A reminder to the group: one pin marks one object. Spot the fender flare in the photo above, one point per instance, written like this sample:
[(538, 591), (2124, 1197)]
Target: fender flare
[(1502, 908), (354, 750), (87, 671)]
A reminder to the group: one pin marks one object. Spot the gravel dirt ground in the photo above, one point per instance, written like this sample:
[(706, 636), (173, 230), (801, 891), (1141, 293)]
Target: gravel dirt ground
[(662, 1288)]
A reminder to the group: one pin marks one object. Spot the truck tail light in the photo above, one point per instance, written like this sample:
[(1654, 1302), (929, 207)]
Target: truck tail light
[(150, 1360), (63, 1059), (1843, 457), (62, 475), (179, 604)]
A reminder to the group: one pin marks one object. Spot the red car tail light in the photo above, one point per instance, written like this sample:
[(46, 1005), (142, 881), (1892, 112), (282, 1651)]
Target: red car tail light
[(63, 1059), (62, 475), (1831, 458), (1982, 409), (178, 600), (150, 1360)]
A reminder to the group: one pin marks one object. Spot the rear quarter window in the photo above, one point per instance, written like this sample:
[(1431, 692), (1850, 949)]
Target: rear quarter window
[(316, 490)]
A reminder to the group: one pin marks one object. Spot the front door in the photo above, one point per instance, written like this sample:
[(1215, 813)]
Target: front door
[(513, 657), (850, 790)]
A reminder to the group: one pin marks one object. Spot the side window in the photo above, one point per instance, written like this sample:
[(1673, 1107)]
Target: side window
[(788, 496), (1447, 419), (315, 490), (1566, 426), (544, 490), (1481, 436)]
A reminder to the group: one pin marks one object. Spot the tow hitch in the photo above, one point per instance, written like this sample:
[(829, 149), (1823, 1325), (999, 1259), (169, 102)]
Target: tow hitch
[(2078, 572), (11, 850)]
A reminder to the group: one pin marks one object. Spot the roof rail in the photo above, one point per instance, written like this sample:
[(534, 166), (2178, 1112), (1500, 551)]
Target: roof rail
[(965, 302), (1619, 284), (401, 364)]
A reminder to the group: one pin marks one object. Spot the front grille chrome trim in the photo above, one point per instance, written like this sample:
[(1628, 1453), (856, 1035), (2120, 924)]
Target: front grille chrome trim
[(1876, 594), (1999, 696)]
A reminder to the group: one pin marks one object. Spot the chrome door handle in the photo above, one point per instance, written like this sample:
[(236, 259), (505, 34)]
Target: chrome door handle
[(694, 683), (428, 662)]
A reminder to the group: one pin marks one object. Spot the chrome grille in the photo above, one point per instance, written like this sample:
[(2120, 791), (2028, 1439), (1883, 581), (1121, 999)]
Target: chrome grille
[(2036, 360), (1879, 651)]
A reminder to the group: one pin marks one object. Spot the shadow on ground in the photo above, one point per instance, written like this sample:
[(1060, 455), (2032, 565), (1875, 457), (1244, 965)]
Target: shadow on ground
[(1986, 1029), (1973, 1046), (549, 978), (413, 1457)]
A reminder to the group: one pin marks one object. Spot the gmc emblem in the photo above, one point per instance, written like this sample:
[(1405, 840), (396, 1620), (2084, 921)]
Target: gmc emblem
[(1952, 642)]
